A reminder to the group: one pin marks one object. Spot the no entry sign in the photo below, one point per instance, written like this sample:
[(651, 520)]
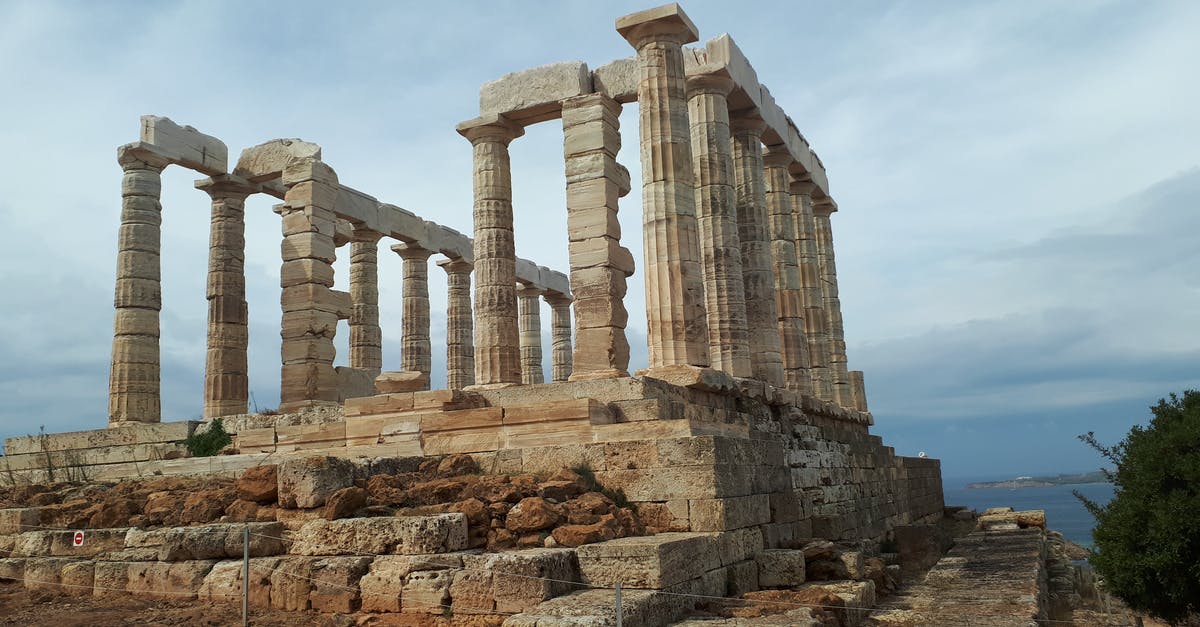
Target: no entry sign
[(77, 540)]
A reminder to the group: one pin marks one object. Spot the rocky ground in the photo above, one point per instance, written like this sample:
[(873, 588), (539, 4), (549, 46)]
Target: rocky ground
[(503, 511)]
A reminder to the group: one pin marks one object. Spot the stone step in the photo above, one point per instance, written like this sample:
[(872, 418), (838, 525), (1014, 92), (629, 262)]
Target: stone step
[(649, 562), (401, 535), (597, 608)]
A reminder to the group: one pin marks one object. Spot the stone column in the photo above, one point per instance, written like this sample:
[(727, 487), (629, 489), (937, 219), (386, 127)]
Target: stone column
[(460, 351), (716, 214), (226, 380), (497, 360), (416, 354), (676, 326), (366, 338), (787, 273), (812, 295), (133, 383), (754, 236), (529, 301), (310, 307), (599, 264), (858, 390), (560, 335), (822, 209)]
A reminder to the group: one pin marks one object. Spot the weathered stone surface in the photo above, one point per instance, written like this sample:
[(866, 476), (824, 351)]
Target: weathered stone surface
[(513, 581), (654, 562), (18, 519), (217, 541), (309, 482), (259, 484), (344, 502), (179, 580), (381, 587), (409, 535), (780, 568), (531, 514), (427, 592), (597, 608), (185, 145), (533, 95), (267, 160), (402, 381)]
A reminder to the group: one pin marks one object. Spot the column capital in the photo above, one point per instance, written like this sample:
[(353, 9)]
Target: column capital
[(800, 186), (665, 23), (366, 236), (555, 299), (490, 128), (529, 291), (777, 156), (824, 206), (139, 156), (747, 122), (227, 186), (456, 264), (411, 252), (709, 84)]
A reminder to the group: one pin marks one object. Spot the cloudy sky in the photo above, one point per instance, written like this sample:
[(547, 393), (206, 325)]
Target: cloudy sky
[(1018, 183)]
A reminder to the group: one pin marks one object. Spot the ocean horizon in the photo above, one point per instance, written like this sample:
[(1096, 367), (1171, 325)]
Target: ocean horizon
[(1064, 513)]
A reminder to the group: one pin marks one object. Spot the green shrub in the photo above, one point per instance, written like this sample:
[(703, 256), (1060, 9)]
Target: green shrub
[(209, 442), (1147, 538)]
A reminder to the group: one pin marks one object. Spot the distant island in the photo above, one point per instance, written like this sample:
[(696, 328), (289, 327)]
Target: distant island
[(1041, 482)]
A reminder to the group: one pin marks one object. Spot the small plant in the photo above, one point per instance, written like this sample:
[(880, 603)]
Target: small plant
[(589, 477), (209, 442)]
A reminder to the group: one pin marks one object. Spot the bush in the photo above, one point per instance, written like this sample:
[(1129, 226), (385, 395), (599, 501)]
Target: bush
[(209, 442), (1147, 539)]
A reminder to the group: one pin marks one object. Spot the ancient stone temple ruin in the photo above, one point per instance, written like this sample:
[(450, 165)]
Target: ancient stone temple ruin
[(747, 433)]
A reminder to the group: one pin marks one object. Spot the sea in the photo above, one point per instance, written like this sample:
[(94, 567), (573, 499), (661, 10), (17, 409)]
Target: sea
[(1064, 513)]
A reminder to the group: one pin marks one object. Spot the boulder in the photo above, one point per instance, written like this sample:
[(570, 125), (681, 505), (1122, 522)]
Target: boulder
[(531, 514), (309, 482), (344, 502), (258, 484)]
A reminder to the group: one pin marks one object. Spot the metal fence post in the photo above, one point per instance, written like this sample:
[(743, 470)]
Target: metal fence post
[(246, 576), (619, 612)]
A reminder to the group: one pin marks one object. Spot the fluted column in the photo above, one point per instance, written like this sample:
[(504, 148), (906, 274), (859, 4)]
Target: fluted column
[(460, 350), (599, 264), (812, 295), (677, 331), (226, 380), (133, 383), (787, 273), (415, 350), (529, 302), (366, 337), (497, 359), (310, 307), (858, 390), (716, 215), (754, 238), (560, 336), (822, 209)]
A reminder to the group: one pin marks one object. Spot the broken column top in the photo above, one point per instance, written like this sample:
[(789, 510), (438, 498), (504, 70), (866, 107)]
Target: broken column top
[(185, 145), (668, 20), (267, 160)]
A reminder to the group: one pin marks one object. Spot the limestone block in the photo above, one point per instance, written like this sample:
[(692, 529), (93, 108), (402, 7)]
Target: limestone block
[(427, 592), (186, 146), (110, 578), (381, 586), (77, 578), (618, 80), (738, 545), (308, 482), (179, 580), (596, 608), (407, 535), (43, 573), (18, 519), (137, 433), (335, 584), (780, 568), (513, 581), (654, 562), (219, 541), (742, 577), (729, 513), (534, 95), (12, 569), (402, 381), (266, 161), (858, 598), (361, 209)]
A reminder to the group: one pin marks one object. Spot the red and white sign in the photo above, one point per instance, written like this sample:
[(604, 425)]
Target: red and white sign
[(78, 539)]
